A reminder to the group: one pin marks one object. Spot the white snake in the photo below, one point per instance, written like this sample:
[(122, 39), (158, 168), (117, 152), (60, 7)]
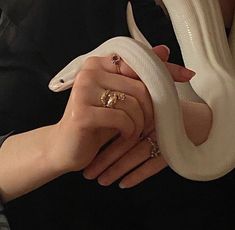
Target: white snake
[(199, 28)]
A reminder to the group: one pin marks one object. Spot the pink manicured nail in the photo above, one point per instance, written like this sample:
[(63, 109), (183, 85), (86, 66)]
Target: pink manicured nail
[(187, 73)]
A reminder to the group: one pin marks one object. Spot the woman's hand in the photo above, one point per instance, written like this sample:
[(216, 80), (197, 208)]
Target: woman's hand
[(43, 154), (132, 158), (70, 145), (86, 126), (124, 157)]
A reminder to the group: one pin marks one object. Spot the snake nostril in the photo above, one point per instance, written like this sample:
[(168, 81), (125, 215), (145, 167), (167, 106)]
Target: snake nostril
[(61, 81)]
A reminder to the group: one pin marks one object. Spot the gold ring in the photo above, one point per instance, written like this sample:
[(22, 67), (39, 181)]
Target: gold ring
[(116, 59), (155, 151), (109, 98), (104, 96)]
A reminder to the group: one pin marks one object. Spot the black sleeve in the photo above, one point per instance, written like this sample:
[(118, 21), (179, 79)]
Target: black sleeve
[(3, 220), (3, 138), (38, 38), (25, 100), (157, 27)]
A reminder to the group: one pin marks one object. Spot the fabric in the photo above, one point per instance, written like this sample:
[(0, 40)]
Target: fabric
[(3, 138), (3, 221), (37, 39)]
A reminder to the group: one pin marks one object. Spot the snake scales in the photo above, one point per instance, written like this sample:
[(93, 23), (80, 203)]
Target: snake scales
[(200, 32)]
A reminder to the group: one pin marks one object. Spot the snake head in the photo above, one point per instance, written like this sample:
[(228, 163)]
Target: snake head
[(62, 81), (65, 78)]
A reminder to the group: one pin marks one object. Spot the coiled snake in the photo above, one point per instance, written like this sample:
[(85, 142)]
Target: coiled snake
[(199, 28)]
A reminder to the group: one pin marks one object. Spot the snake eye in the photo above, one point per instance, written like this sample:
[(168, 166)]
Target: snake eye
[(61, 81)]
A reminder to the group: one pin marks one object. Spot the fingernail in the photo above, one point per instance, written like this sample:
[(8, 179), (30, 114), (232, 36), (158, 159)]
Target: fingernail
[(122, 186), (103, 182), (187, 73), (88, 176)]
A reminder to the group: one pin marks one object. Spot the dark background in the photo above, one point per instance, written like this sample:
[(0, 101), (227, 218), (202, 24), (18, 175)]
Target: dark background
[(42, 37)]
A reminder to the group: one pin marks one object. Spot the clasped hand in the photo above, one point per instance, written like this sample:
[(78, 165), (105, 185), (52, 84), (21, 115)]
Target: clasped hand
[(86, 126)]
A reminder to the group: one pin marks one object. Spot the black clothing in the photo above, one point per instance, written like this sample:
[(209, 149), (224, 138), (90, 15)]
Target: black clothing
[(37, 39)]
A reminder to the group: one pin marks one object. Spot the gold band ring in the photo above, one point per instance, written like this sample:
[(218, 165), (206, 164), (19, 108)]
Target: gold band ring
[(116, 59)]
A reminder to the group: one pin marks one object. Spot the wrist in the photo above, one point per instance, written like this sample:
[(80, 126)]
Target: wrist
[(27, 153), (52, 151), (62, 154)]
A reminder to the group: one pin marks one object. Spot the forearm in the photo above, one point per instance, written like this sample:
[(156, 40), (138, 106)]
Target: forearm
[(24, 163), (197, 120)]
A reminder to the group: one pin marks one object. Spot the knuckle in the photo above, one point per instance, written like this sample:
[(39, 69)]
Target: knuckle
[(91, 61), (84, 78)]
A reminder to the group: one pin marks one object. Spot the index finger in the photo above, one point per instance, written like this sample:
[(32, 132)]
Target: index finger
[(106, 63), (178, 73)]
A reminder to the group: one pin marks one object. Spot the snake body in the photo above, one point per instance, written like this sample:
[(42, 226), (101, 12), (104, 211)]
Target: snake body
[(200, 32)]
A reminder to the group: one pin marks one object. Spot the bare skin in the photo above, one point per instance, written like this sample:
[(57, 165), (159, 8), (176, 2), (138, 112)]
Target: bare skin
[(122, 156), (114, 162), (43, 154)]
